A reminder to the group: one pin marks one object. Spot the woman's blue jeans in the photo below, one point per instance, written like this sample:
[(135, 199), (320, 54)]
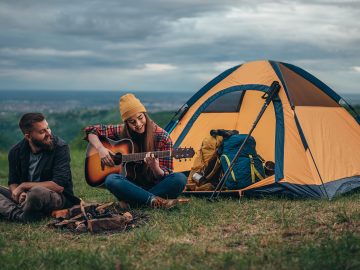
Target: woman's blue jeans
[(170, 187)]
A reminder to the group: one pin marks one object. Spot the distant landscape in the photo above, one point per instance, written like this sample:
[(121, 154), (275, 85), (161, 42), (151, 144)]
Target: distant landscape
[(68, 112), (63, 101)]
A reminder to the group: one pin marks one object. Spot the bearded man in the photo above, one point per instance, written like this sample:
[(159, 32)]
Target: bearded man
[(39, 173)]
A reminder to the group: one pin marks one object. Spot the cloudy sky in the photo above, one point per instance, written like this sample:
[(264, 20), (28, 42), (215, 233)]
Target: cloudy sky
[(170, 45)]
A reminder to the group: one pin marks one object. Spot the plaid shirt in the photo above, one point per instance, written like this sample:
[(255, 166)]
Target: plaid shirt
[(163, 141)]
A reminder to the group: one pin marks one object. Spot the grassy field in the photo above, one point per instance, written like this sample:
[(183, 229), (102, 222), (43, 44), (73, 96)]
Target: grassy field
[(267, 233)]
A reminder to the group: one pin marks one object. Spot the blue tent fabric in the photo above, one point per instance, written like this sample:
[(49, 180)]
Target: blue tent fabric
[(278, 72), (210, 85), (257, 87)]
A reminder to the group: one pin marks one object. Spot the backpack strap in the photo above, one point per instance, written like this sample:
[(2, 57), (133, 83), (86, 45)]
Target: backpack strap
[(214, 164), (254, 171), (228, 163), (262, 160)]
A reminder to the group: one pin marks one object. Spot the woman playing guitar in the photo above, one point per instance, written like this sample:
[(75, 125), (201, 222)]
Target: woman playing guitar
[(150, 182)]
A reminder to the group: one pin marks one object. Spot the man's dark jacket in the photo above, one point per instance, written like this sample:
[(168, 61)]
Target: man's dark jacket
[(54, 166)]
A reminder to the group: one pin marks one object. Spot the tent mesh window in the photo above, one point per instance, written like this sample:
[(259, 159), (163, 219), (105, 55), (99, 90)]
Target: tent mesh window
[(304, 93), (229, 102)]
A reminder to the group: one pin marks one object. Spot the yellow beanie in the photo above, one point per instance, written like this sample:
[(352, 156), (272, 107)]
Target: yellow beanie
[(130, 105)]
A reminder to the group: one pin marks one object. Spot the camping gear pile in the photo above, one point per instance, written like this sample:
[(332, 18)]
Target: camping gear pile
[(206, 168), (217, 151), (307, 130), (96, 218)]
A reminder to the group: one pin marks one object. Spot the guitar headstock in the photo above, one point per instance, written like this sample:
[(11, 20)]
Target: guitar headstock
[(183, 152)]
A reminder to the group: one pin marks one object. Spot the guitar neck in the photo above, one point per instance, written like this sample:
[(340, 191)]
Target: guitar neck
[(141, 156)]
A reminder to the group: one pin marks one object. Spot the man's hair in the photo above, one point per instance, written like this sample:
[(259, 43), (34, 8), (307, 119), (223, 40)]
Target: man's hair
[(28, 119)]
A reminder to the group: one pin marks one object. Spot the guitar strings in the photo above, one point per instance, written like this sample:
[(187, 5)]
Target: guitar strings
[(141, 156)]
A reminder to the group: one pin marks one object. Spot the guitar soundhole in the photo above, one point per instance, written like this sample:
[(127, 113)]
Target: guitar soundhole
[(117, 158)]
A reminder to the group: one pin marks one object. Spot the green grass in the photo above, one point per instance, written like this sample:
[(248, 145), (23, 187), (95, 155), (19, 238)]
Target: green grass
[(267, 233)]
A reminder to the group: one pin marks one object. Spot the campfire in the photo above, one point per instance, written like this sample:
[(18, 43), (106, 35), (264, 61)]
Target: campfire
[(96, 218)]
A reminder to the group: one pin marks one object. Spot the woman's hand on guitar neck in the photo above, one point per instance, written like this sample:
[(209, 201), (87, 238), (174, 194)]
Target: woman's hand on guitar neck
[(105, 156), (153, 163)]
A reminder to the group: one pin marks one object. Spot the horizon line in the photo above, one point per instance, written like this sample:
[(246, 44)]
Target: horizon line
[(136, 91)]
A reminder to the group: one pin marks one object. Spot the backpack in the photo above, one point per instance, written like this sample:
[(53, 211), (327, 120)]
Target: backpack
[(206, 167), (248, 168)]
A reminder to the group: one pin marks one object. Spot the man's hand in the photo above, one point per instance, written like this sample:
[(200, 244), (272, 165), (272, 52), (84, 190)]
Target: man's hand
[(17, 192), (26, 186), (22, 197)]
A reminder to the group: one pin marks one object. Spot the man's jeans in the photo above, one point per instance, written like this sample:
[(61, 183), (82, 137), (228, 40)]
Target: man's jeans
[(39, 202), (170, 187)]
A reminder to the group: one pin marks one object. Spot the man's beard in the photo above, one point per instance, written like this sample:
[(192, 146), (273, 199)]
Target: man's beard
[(42, 145)]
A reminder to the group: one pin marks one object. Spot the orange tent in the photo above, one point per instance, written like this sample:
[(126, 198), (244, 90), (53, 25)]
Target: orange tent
[(313, 140)]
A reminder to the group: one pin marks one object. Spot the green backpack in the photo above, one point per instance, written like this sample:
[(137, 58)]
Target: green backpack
[(249, 166)]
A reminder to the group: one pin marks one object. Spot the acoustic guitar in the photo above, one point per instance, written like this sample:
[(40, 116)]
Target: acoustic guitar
[(124, 159)]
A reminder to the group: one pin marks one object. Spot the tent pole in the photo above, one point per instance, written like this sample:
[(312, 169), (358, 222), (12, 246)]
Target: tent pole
[(322, 182), (268, 96), (172, 124), (307, 146)]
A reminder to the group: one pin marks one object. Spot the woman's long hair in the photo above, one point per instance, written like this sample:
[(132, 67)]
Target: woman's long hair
[(147, 145)]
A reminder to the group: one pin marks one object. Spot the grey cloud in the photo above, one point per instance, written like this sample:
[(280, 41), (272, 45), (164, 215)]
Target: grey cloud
[(191, 35)]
